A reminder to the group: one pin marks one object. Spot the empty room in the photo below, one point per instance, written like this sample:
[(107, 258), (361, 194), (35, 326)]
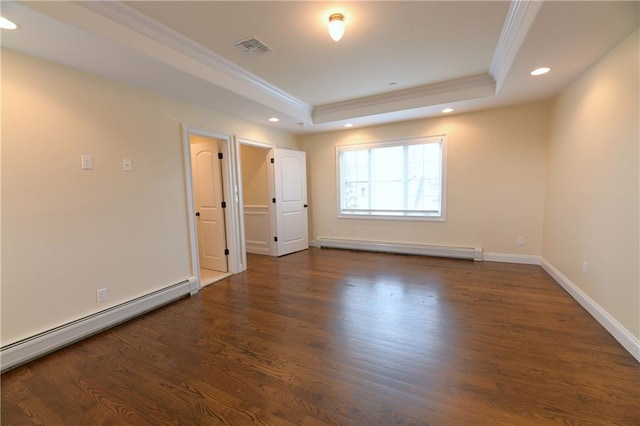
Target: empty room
[(320, 213)]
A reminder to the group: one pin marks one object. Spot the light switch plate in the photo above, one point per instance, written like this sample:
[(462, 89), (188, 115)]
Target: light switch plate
[(87, 162), (127, 165)]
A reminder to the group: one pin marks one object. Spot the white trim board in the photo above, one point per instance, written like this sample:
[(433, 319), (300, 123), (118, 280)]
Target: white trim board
[(20, 352), (617, 330), (233, 221), (519, 19), (477, 86), (401, 248)]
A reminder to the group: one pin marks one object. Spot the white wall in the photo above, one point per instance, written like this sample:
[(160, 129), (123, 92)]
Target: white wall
[(592, 202), (68, 232), (495, 182), (254, 175)]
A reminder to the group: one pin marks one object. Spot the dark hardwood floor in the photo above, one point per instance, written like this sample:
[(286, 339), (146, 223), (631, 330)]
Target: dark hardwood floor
[(328, 337)]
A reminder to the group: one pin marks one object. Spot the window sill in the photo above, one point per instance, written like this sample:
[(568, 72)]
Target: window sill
[(393, 217)]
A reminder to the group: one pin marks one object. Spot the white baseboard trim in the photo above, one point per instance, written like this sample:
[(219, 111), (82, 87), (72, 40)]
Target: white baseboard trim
[(25, 350), (401, 248), (617, 330), (525, 259), (194, 285)]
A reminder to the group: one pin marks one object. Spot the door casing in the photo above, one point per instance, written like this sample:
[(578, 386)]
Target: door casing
[(266, 146), (229, 188)]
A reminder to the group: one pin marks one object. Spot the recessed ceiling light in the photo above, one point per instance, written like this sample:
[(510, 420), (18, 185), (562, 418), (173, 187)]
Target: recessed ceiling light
[(274, 119), (348, 125), (447, 110), (6, 24), (540, 71)]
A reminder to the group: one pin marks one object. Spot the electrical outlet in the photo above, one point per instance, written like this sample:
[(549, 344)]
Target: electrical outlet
[(127, 165), (521, 241), (101, 295)]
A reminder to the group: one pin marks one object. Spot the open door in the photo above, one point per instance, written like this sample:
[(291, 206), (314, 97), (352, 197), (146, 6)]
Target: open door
[(209, 202), (290, 200)]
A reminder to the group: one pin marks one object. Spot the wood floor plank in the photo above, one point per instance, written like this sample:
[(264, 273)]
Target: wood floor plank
[(329, 337)]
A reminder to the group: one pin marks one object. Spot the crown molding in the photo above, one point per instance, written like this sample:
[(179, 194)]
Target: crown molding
[(476, 86), (519, 19), (137, 21)]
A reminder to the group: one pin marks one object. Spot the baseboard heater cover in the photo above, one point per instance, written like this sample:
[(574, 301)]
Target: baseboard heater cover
[(25, 350), (402, 248)]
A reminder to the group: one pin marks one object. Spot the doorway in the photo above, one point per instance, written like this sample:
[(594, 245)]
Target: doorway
[(273, 197), (281, 216), (209, 203), (255, 198)]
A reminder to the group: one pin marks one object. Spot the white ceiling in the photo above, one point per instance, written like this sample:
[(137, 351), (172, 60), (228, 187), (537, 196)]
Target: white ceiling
[(466, 55), (309, 65)]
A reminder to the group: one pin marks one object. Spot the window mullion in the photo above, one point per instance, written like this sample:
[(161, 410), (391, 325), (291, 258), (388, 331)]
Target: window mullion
[(370, 177), (405, 177)]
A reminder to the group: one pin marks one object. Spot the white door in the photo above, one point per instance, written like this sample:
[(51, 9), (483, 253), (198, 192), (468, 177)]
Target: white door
[(208, 197), (290, 193)]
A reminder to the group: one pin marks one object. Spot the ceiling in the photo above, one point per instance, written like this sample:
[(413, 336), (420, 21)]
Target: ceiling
[(396, 61)]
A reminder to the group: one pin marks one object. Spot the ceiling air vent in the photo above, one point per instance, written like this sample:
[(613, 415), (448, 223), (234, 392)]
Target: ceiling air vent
[(252, 47)]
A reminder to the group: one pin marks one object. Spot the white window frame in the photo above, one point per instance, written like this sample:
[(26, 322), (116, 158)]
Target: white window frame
[(441, 139)]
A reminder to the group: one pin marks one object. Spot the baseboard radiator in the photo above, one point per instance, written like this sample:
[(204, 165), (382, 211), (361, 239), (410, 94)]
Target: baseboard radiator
[(470, 253), (25, 350)]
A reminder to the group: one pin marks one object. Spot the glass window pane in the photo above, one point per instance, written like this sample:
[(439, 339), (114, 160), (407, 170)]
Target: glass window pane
[(402, 179)]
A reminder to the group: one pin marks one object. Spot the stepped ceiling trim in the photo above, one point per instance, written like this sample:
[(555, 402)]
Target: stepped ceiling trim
[(519, 19), (431, 94), (131, 18)]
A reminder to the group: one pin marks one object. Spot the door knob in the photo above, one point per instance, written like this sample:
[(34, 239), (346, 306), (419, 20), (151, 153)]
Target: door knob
[(197, 213)]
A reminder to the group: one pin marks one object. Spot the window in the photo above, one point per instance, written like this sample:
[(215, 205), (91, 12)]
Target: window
[(396, 179)]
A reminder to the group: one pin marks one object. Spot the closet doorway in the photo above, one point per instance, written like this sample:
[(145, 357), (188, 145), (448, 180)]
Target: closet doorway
[(255, 197), (274, 199)]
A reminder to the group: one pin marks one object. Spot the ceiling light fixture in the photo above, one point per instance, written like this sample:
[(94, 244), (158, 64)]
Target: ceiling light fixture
[(540, 71), (336, 26), (447, 110), (274, 119), (348, 125), (6, 24)]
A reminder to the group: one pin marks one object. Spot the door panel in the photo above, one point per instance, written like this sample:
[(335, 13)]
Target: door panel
[(207, 188), (290, 187)]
